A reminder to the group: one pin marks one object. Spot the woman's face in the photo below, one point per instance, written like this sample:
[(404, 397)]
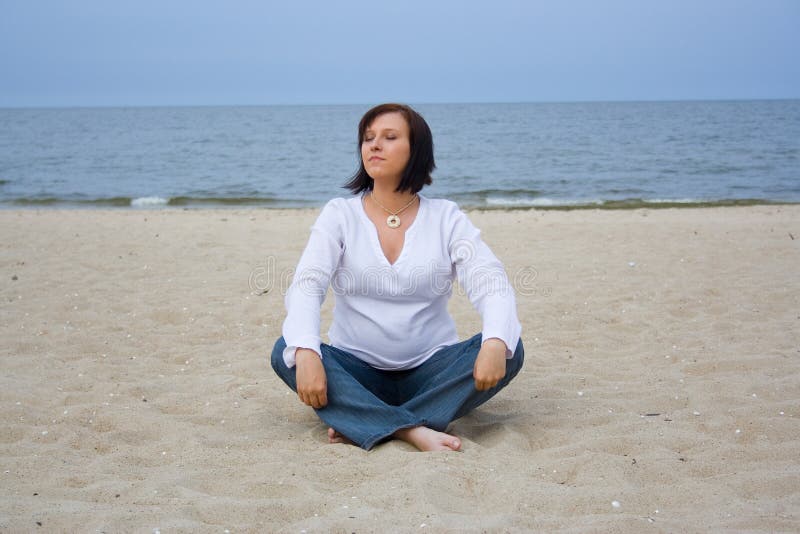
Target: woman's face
[(386, 147)]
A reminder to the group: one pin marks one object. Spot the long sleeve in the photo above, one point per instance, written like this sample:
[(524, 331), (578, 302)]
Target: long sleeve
[(304, 298), (484, 279)]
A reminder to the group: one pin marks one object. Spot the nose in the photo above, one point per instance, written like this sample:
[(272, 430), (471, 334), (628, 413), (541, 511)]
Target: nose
[(374, 144)]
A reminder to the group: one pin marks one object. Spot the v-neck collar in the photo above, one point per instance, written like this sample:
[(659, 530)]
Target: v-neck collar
[(376, 240)]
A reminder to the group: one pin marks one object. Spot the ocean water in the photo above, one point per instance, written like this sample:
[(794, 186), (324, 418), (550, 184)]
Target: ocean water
[(621, 154)]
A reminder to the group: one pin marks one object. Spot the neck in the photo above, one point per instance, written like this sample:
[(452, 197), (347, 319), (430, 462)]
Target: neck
[(390, 198)]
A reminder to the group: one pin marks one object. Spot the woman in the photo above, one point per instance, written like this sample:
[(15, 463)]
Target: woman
[(394, 367)]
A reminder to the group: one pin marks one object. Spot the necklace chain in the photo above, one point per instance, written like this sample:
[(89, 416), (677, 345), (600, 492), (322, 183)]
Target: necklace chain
[(393, 220), (401, 210)]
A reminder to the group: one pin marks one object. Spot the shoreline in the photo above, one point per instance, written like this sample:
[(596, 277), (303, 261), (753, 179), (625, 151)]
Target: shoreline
[(124, 204)]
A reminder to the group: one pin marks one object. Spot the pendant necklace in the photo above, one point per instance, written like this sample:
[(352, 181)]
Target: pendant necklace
[(393, 220)]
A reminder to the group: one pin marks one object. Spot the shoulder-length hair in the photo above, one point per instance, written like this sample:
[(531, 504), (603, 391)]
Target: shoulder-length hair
[(417, 173)]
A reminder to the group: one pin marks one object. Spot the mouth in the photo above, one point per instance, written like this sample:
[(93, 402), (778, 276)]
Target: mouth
[(375, 158)]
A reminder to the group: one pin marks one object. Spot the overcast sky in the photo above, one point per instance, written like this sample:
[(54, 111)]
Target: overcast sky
[(181, 52)]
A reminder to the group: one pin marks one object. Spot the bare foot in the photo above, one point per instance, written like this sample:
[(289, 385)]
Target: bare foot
[(427, 439), (336, 437)]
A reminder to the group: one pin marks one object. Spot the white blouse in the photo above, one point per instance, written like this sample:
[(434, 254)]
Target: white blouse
[(394, 316)]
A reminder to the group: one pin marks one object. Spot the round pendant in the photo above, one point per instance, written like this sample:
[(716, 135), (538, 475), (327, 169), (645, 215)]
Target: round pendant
[(393, 221)]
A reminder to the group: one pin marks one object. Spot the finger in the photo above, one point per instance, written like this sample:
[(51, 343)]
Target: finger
[(483, 385), (308, 398), (312, 399)]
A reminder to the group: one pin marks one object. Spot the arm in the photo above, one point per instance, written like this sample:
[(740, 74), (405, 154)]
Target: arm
[(301, 329), (484, 279)]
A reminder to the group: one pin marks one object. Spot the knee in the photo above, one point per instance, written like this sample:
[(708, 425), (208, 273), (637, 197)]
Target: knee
[(514, 364), (277, 354)]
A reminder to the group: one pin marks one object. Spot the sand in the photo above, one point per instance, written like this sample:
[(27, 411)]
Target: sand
[(660, 393)]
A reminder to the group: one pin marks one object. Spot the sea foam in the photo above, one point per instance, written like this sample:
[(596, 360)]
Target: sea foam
[(511, 202), (144, 202)]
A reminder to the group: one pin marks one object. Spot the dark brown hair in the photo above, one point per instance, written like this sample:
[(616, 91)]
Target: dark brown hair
[(417, 173)]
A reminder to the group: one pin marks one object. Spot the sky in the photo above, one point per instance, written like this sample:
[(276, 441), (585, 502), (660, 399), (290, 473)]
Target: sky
[(248, 52)]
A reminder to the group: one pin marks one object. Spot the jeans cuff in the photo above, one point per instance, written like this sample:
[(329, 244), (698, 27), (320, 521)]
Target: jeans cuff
[(374, 439)]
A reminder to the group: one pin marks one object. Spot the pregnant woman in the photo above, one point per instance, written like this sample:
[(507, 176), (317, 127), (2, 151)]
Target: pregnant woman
[(394, 367)]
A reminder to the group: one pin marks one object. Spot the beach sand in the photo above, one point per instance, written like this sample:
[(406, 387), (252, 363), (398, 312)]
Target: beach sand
[(660, 393)]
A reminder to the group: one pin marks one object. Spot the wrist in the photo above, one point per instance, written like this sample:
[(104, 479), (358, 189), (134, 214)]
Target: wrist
[(494, 342), (306, 355)]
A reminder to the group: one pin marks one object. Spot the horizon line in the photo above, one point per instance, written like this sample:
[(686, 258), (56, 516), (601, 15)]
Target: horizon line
[(411, 102)]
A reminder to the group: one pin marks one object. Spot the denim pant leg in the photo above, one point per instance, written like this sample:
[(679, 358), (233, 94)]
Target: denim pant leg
[(352, 409), (443, 388)]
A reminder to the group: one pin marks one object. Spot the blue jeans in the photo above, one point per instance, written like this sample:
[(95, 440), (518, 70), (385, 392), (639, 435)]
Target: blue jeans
[(368, 405)]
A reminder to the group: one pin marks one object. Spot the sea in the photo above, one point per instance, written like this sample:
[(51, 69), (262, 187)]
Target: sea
[(541, 155)]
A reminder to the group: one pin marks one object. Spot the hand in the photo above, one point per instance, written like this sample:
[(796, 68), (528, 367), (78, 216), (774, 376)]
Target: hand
[(312, 384), (490, 365)]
